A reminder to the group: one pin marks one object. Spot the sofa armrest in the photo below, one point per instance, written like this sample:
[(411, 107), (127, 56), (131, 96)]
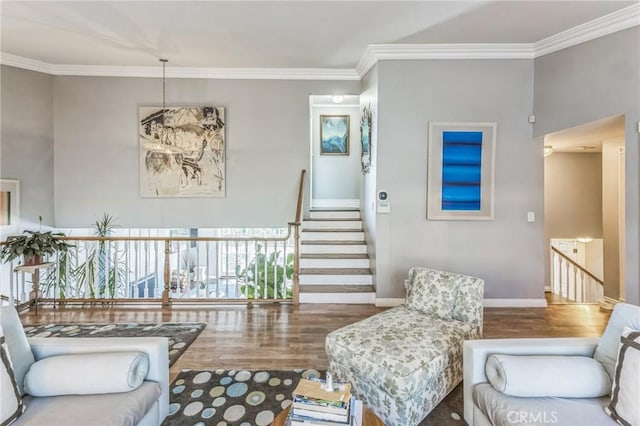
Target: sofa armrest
[(157, 348), (475, 355)]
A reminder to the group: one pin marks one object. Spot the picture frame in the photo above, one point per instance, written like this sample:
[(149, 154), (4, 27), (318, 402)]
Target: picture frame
[(366, 124), (334, 134), (182, 151), (461, 170), (9, 204)]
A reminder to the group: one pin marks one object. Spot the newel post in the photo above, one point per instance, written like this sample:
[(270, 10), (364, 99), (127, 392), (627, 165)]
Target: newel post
[(296, 265), (167, 275)]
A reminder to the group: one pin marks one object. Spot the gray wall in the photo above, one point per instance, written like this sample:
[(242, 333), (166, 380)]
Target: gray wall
[(336, 176), (611, 225), (26, 141), (506, 252), (369, 97), (96, 159), (587, 82), (573, 195)]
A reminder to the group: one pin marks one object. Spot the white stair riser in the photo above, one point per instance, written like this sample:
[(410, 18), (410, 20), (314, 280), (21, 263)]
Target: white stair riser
[(335, 215), (334, 263), (338, 298), (333, 249), (332, 236), (311, 279), (332, 224)]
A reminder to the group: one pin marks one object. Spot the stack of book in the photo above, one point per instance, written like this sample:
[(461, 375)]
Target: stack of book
[(315, 405)]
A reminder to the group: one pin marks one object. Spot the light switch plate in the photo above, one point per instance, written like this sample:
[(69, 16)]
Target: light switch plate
[(531, 217)]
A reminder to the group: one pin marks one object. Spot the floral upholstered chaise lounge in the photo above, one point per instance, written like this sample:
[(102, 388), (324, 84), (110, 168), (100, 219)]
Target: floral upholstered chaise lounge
[(404, 361)]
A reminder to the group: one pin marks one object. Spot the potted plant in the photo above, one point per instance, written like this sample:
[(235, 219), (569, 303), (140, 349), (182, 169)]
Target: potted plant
[(33, 246)]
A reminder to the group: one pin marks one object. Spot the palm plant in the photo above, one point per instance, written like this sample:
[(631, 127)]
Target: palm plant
[(104, 269)]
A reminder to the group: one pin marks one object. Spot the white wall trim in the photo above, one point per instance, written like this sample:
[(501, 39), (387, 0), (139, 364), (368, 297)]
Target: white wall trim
[(181, 72), (617, 21), (389, 302), (329, 203), (515, 303)]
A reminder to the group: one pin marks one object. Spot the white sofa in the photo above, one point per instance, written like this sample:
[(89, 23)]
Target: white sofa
[(145, 406), (484, 405)]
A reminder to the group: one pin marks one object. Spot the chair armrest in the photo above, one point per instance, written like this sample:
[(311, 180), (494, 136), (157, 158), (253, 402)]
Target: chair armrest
[(157, 348), (475, 353)]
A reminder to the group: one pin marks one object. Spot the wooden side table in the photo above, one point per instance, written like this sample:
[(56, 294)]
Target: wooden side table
[(368, 418), (34, 270)]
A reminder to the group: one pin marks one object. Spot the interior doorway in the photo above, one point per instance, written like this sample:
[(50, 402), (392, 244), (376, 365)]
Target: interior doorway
[(335, 151), (584, 184)]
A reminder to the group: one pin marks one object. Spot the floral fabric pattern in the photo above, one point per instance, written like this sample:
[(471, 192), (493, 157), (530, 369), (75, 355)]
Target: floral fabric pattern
[(403, 362)]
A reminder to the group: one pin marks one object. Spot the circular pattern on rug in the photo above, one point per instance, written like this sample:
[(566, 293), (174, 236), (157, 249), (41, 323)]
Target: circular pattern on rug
[(237, 389), (202, 377), (193, 408), (255, 398), (311, 374), (264, 418), (243, 376), (261, 377), (232, 397), (234, 413)]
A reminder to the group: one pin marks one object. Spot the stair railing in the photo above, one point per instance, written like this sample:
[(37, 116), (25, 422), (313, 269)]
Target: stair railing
[(296, 237), (572, 281)]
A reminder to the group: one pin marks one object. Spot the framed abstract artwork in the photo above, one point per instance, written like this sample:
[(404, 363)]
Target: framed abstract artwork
[(9, 204), (461, 171), (334, 135), (366, 123), (182, 151)]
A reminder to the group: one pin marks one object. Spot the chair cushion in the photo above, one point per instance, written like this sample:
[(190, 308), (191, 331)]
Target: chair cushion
[(400, 349), (11, 406), (113, 409), (624, 406), (85, 374), (623, 315), (505, 410), (432, 292), (19, 349), (547, 375)]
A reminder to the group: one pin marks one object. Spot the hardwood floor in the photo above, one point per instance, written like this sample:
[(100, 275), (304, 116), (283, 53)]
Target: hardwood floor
[(286, 336)]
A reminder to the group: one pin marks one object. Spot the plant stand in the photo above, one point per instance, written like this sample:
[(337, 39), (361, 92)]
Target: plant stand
[(34, 270)]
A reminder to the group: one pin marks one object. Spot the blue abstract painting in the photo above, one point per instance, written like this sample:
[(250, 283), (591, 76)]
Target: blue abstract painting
[(334, 134), (461, 170)]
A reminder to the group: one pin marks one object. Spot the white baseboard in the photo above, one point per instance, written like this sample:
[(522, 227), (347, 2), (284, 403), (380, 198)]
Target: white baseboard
[(328, 203), (389, 302), (547, 289), (515, 303)]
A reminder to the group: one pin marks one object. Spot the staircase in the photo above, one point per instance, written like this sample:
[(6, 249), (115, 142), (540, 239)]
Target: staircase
[(334, 264)]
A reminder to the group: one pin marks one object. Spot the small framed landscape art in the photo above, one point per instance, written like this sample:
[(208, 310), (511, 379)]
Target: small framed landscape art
[(461, 171), (334, 135), (365, 138)]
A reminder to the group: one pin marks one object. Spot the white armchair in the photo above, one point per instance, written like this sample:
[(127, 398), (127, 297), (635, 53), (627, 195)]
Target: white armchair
[(145, 404), (484, 405)]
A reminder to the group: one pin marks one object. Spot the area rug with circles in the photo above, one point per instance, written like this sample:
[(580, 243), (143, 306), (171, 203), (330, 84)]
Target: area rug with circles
[(180, 334), (255, 397)]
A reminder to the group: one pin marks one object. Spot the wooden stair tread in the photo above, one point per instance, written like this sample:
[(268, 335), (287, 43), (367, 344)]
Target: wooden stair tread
[(337, 289), (334, 256), (336, 242), (335, 271)]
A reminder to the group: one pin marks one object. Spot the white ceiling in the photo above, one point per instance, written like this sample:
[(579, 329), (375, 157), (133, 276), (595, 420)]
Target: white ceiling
[(270, 34), (587, 137)]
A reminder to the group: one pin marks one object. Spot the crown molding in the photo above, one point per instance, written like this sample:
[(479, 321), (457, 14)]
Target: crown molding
[(401, 52), (616, 21), (181, 72), (25, 63)]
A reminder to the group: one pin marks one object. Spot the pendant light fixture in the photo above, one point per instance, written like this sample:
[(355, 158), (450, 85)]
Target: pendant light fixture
[(165, 140)]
